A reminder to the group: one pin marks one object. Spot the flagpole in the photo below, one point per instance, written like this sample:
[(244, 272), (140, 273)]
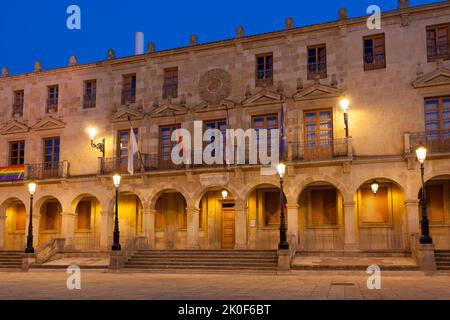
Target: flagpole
[(139, 152)]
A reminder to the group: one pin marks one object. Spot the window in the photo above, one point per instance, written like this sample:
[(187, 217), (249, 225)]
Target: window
[(264, 69), (52, 210), (170, 86), (219, 125), (18, 102), (20, 217), (323, 207), (318, 133), (165, 141), (51, 150), (437, 42), (317, 62), (435, 202), (374, 52), (271, 205), (90, 94), (437, 119), (84, 215), (265, 122), (16, 153), (129, 89), (52, 98), (123, 144)]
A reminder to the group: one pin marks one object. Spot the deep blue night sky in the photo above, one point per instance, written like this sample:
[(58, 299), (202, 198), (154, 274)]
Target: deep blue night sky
[(36, 30)]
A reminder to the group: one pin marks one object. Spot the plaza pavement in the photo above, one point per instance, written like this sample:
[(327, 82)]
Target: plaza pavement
[(100, 284)]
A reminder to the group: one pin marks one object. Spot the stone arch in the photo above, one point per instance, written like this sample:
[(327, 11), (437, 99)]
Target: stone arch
[(37, 205), (199, 195), (247, 192), (154, 198), (299, 188), (77, 199), (11, 198), (370, 178)]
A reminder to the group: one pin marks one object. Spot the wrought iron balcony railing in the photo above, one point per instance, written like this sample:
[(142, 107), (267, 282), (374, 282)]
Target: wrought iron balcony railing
[(128, 96), (89, 101), (435, 141), (52, 105), (17, 109), (46, 170), (320, 150)]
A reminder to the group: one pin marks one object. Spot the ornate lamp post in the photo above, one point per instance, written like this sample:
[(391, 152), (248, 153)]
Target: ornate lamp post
[(29, 248), (425, 238), (344, 106), (116, 245), (281, 168), (101, 145)]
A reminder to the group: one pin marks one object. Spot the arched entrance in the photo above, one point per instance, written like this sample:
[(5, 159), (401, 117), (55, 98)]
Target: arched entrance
[(130, 217), (87, 223), (170, 221), (217, 219), (15, 224), (381, 214), (437, 191), (50, 220), (321, 218)]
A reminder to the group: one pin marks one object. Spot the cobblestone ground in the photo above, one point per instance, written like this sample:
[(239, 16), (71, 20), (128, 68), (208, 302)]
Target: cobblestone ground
[(301, 285)]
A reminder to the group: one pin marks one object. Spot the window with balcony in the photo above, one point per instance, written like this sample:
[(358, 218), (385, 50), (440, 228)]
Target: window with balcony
[(166, 144), (129, 89), (219, 141), (52, 98), (264, 69), (438, 42), (90, 94), (437, 120), (317, 62), (318, 128), (18, 103), (267, 122), (170, 86), (374, 52), (123, 141), (16, 153), (51, 156)]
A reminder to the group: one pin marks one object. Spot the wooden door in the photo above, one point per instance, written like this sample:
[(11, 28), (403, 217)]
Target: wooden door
[(228, 226)]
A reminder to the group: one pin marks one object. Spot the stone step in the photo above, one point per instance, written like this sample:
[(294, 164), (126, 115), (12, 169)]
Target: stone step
[(209, 263), (353, 268), (199, 267), (210, 257), (207, 260)]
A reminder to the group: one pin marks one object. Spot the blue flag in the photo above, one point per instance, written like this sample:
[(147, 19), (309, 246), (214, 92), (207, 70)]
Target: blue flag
[(283, 142)]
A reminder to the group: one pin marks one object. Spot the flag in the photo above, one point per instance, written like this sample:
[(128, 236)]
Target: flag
[(283, 142), (132, 150)]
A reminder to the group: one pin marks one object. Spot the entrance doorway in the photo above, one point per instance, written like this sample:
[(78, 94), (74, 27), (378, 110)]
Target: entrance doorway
[(228, 232)]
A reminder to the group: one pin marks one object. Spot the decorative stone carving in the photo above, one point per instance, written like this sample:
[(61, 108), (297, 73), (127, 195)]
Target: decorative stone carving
[(289, 23), (342, 14), (151, 47), (402, 4), (334, 81), (404, 20), (183, 100), (248, 92), (73, 61), (5, 72), (193, 40), (111, 54), (280, 87), (37, 66), (239, 32), (215, 86), (419, 71), (299, 84)]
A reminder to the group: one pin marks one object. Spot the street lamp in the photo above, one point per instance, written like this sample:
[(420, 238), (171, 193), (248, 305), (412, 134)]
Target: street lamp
[(344, 106), (116, 245), (425, 238), (101, 145), (224, 194), (29, 248), (281, 168), (374, 186)]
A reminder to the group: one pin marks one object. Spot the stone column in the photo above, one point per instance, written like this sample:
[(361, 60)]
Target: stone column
[(350, 243), (68, 228), (193, 228), (412, 216), (292, 219), (148, 226), (106, 230), (2, 232), (240, 225)]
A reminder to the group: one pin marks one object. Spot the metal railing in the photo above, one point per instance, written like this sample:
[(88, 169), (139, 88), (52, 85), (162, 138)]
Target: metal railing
[(435, 141), (382, 239), (89, 101), (52, 105), (17, 108), (319, 150), (372, 62), (128, 96), (324, 239), (46, 170), (85, 242), (317, 69)]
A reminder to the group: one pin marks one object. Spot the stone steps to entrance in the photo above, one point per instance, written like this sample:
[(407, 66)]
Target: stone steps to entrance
[(10, 259), (203, 260), (442, 258)]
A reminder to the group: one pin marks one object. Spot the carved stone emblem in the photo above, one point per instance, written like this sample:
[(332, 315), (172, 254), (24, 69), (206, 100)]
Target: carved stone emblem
[(215, 86)]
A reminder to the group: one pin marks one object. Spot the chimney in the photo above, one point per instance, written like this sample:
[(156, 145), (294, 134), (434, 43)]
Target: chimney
[(139, 43)]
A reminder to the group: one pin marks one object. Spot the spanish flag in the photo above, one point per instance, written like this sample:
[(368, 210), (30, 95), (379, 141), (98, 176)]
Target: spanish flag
[(12, 173)]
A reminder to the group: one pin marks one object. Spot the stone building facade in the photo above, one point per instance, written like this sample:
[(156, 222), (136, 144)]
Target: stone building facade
[(397, 80)]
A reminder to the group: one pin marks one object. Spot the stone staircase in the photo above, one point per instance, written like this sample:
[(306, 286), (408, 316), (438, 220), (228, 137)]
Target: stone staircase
[(442, 258), (204, 261), (11, 259)]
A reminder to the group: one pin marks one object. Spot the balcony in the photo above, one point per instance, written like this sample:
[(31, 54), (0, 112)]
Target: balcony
[(89, 101), (47, 170), (52, 105), (128, 96), (17, 109), (318, 70), (145, 163), (373, 62), (436, 142), (330, 150)]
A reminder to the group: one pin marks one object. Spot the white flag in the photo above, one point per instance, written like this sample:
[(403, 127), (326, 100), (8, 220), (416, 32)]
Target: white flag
[(132, 150)]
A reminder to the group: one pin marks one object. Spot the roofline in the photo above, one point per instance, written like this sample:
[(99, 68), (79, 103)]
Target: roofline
[(336, 24)]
